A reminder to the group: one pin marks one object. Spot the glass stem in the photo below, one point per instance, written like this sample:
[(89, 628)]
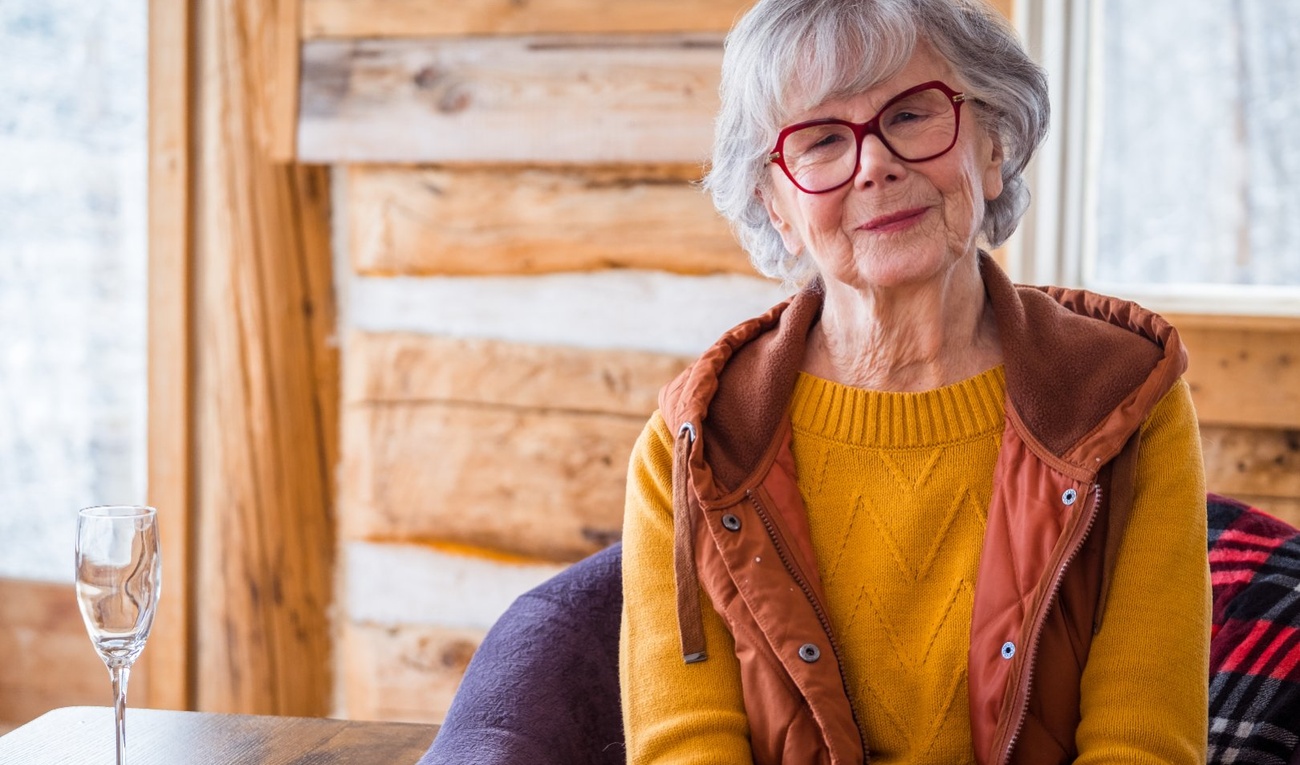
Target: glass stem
[(120, 675)]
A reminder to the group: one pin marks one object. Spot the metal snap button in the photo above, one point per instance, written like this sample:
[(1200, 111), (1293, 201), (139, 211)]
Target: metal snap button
[(1069, 496), (730, 522), (809, 652), (1008, 649)]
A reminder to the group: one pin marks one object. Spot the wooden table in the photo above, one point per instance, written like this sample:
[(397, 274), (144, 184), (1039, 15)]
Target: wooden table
[(84, 736)]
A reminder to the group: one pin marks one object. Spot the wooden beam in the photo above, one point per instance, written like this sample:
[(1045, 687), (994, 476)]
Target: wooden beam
[(420, 18), (281, 89), (1260, 462), (165, 669), (547, 99), (53, 663), (265, 522), (1205, 322), (505, 446), (409, 368), (1244, 371), (542, 484), (404, 673), (498, 220), (312, 212)]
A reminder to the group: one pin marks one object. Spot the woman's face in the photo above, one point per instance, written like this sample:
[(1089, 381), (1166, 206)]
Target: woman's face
[(895, 223)]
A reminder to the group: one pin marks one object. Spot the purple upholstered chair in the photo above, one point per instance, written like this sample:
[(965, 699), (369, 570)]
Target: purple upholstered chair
[(542, 689)]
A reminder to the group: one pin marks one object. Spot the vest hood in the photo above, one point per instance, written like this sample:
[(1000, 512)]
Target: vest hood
[(1082, 372)]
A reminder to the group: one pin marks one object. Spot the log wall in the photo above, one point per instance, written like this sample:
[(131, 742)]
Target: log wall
[(524, 259), (50, 661), (1245, 380)]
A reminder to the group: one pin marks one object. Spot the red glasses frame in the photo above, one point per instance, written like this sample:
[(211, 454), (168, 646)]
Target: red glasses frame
[(871, 127)]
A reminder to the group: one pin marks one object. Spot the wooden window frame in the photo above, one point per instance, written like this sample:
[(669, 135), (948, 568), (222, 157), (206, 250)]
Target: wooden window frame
[(165, 664), (241, 312)]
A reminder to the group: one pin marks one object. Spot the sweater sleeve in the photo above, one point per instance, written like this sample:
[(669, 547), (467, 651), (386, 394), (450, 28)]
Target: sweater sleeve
[(1145, 688), (672, 712)]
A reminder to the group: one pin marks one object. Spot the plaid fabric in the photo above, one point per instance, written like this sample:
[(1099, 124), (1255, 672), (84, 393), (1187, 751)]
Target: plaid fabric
[(1255, 648)]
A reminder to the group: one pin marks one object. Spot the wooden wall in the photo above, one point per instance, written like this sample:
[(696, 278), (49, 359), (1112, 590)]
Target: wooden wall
[(1245, 379), (523, 262), (50, 661)]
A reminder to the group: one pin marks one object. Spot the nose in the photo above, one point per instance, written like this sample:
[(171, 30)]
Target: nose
[(877, 165)]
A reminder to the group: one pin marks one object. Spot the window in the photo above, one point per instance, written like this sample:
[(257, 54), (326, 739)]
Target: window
[(72, 287), (1173, 171)]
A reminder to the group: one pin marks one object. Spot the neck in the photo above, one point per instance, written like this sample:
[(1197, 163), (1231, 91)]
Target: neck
[(907, 338)]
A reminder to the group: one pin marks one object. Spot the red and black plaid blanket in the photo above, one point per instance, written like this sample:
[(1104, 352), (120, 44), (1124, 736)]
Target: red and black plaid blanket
[(1255, 648)]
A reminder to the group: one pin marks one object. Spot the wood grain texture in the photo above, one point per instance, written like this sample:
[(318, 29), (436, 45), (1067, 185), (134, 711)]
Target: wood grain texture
[(1243, 372), (401, 367), (264, 564), (77, 736), (507, 446), (164, 679), (281, 88), (404, 673), (499, 220), (51, 662), (546, 99), (312, 212), (420, 18), (1252, 461), (542, 484), (1202, 322)]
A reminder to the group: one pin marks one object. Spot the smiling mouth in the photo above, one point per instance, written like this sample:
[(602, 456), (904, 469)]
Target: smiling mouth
[(895, 221)]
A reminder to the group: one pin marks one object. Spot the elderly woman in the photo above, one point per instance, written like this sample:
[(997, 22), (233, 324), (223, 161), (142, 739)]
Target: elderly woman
[(914, 514)]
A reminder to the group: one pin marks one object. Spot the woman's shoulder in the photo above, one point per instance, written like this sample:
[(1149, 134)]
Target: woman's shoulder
[(656, 433), (1174, 410), (652, 456)]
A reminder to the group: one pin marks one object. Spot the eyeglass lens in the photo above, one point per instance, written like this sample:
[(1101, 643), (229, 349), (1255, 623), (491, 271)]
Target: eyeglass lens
[(916, 127)]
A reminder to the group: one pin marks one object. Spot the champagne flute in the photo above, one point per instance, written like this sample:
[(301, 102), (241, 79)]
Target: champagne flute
[(119, 572)]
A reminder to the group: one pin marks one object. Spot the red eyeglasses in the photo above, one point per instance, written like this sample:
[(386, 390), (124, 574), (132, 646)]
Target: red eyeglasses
[(919, 124)]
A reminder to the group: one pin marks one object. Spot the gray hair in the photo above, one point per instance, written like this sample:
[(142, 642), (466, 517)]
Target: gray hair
[(786, 56)]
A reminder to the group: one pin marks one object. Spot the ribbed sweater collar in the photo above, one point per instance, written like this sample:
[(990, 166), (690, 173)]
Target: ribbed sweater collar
[(967, 409)]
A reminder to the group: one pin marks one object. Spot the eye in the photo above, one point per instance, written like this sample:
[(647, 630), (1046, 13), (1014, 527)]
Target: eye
[(818, 142), (829, 139), (902, 117)]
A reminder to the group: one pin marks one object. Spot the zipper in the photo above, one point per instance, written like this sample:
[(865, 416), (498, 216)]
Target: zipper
[(799, 579), (1038, 632)]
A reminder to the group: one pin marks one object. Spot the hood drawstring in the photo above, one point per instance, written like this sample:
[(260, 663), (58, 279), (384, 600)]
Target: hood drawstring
[(1123, 481), (690, 622)]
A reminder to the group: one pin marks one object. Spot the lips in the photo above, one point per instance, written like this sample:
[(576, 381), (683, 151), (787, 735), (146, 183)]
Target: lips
[(895, 220)]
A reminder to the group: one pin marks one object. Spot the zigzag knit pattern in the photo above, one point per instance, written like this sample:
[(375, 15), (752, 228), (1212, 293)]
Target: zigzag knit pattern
[(897, 487)]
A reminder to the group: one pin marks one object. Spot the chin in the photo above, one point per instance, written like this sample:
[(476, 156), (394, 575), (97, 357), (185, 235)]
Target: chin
[(891, 267)]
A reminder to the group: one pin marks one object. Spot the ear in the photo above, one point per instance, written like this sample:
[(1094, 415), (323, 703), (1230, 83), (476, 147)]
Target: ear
[(993, 168), (780, 221)]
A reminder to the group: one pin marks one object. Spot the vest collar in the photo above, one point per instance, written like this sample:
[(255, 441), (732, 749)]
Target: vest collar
[(1082, 371)]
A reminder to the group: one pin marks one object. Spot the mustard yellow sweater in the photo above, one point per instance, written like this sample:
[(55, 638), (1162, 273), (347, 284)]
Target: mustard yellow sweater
[(897, 486)]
